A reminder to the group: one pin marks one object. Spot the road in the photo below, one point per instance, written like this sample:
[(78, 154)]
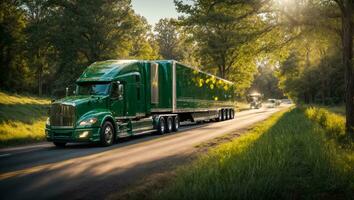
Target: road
[(84, 171)]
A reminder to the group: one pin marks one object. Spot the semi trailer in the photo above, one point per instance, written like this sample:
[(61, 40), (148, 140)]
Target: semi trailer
[(120, 98)]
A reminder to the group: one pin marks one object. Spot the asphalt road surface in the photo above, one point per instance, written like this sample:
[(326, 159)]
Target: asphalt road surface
[(82, 171)]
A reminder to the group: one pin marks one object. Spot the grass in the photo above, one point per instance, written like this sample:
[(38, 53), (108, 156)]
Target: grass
[(285, 157), (332, 123), (22, 119)]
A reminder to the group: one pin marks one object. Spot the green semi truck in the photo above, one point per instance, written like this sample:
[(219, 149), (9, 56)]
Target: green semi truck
[(120, 98)]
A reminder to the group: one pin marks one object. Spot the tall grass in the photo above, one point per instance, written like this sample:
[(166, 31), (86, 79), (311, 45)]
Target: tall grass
[(286, 157), (332, 123), (22, 119)]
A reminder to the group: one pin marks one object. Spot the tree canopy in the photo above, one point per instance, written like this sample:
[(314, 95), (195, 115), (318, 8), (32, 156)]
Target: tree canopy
[(307, 45)]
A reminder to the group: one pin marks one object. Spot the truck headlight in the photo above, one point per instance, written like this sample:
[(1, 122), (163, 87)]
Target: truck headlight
[(84, 134), (48, 121), (88, 122)]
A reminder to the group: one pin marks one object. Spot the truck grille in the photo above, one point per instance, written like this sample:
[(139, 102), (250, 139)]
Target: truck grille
[(62, 115)]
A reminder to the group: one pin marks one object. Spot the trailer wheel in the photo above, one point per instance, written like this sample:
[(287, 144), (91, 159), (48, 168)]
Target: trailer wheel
[(232, 114), (161, 127), (175, 126), (219, 116), (59, 144), (169, 124), (107, 134), (224, 114)]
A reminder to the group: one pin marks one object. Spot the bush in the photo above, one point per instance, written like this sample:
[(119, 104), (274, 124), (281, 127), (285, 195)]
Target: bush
[(334, 124)]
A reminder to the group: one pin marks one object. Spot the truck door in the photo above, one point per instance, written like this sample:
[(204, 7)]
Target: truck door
[(140, 96), (117, 102)]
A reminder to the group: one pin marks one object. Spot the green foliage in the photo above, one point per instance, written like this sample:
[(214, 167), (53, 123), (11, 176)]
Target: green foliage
[(46, 44), (13, 67), (226, 35), (22, 119), (266, 82), (285, 157), (141, 42), (334, 124), (168, 39), (317, 81)]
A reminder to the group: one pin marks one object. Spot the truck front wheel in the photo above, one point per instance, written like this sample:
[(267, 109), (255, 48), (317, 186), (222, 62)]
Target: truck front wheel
[(107, 134)]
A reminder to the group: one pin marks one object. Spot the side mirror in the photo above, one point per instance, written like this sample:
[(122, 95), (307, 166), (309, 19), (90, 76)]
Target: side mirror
[(120, 91), (117, 90)]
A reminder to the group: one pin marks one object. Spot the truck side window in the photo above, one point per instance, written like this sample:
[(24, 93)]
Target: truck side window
[(115, 92)]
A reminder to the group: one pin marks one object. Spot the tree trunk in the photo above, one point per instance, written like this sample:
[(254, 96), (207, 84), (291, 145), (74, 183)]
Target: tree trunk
[(348, 64), (40, 81)]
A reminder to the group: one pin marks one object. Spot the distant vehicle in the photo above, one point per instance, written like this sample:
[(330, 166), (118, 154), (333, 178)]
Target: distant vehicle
[(271, 103), (255, 100), (119, 98)]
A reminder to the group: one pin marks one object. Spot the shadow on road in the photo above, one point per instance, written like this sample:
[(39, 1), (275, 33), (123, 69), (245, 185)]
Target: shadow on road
[(91, 181), (53, 154)]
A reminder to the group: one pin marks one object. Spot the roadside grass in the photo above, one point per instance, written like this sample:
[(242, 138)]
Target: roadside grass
[(332, 123), (22, 119), (284, 157)]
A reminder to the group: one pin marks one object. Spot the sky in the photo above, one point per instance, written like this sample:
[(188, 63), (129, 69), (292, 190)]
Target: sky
[(153, 10)]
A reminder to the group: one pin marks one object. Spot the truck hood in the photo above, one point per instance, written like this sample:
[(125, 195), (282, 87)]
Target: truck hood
[(81, 99), (84, 104)]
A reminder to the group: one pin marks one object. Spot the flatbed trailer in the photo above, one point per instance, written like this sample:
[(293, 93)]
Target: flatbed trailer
[(120, 98)]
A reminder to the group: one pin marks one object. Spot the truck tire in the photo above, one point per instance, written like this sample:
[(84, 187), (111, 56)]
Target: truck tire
[(161, 126), (175, 126), (59, 144), (219, 118), (222, 115), (227, 111), (169, 124), (232, 114), (107, 134)]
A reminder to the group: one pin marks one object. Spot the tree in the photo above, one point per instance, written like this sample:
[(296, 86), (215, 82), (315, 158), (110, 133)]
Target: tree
[(334, 17), (228, 35), (266, 82), (346, 8), (168, 39), (86, 31), (13, 65), (39, 48), (141, 40)]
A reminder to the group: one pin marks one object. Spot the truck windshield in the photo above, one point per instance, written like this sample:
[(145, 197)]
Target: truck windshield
[(92, 88)]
